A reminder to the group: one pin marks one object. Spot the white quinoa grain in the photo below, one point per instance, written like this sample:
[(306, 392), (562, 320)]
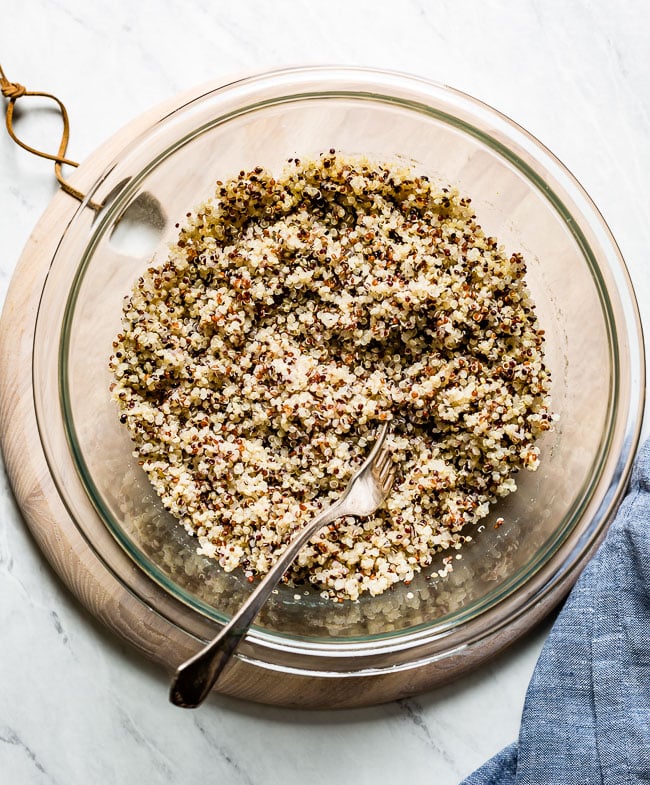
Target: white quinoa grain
[(295, 314)]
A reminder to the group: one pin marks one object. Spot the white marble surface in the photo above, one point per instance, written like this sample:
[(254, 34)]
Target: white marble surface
[(75, 704)]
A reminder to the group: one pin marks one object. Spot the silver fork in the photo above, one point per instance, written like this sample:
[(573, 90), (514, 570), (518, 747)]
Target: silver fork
[(365, 492)]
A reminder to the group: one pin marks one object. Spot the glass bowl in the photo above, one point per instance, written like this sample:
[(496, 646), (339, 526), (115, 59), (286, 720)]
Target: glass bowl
[(522, 195)]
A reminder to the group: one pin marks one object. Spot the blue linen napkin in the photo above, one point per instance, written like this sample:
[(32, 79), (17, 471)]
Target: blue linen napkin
[(586, 718)]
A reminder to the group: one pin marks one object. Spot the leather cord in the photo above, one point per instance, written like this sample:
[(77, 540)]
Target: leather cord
[(13, 91)]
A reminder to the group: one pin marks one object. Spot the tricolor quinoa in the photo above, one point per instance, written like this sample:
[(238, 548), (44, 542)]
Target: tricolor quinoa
[(291, 317)]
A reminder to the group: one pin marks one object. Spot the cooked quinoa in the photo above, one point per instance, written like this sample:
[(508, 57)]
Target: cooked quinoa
[(291, 317)]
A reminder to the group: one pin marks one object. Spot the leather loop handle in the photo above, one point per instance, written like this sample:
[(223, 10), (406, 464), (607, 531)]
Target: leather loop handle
[(12, 91)]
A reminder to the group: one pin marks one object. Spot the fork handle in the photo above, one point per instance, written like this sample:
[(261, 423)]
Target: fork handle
[(195, 678)]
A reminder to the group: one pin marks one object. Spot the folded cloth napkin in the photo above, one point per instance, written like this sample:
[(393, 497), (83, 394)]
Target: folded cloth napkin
[(586, 718)]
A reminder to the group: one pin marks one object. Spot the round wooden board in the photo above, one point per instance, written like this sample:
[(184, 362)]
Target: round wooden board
[(83, 566)]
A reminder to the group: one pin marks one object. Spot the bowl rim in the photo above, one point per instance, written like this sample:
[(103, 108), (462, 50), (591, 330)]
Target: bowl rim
[(631, 428)]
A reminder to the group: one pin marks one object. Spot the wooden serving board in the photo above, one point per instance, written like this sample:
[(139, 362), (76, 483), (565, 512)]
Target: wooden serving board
[(87, 568)]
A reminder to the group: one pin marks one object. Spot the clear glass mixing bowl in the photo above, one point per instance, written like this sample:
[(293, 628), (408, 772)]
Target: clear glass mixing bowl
[(522, 195)]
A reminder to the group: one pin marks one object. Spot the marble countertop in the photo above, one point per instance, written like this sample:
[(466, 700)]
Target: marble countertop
[(76, 705)]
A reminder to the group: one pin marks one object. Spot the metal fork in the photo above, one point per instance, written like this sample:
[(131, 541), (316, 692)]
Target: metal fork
[(365, 492)]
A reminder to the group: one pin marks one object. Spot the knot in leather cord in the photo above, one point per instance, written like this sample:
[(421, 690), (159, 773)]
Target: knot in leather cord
[(13, 91)]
